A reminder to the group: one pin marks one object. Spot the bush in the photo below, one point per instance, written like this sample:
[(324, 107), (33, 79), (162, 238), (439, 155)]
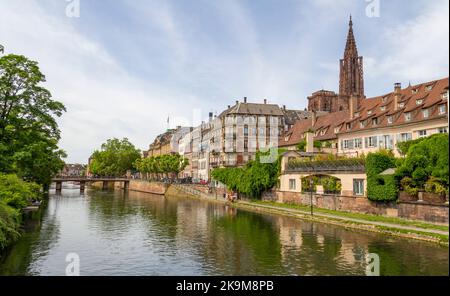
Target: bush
[(251, 180), (17, 193), (426, 162), (381, 188), (9, 225)]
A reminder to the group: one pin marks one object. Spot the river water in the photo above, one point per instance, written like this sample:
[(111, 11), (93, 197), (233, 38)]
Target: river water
[(117, 233)]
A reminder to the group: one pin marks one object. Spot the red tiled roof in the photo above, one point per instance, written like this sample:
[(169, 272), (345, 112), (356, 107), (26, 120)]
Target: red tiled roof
[(409, 98), (325, 122), (332, 120)]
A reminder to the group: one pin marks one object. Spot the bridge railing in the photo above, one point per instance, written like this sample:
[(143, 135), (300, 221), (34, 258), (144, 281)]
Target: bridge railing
[(88, 178)]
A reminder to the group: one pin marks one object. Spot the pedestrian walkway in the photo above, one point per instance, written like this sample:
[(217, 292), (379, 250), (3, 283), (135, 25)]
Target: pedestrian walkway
[(336, 217)]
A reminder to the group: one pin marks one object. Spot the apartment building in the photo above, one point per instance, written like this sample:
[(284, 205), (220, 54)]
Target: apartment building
[(402, 115)]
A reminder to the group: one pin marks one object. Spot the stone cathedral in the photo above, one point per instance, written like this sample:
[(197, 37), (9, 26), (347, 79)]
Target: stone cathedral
[(351, 81)]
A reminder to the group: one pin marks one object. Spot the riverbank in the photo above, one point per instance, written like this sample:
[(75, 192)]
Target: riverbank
[(410, 229)]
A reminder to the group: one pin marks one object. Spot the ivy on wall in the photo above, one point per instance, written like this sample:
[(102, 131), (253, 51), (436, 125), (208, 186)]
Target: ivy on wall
[(381, 187)]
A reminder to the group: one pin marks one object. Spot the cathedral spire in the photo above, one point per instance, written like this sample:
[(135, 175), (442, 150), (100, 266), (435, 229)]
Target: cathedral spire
[(351, 76), (350, 47)]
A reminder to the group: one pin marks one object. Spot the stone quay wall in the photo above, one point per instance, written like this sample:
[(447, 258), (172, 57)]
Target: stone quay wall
[(413, 210)]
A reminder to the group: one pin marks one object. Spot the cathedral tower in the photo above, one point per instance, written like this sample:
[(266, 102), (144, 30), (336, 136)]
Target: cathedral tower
[(351, 81)]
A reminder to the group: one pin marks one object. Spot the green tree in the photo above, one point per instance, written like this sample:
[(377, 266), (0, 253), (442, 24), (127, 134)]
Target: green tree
[(114, 158), (252, 179), (29, 132), (15, 194)]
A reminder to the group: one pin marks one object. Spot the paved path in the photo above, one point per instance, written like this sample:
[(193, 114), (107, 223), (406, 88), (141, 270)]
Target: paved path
[(398, 226)]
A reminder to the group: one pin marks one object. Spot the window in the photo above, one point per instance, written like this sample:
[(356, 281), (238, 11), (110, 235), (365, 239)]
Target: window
[(336, 130), (390, 119), (425, 113), (429, 88), (292, 184), (442, 109), (386, 142), (356, 114), (362, 124), (414, 91), (443, 130), (348, 126), (374, 121), (348, 144), (371, 142), (401, 105), (422, 133), (358, 143), (383, 108), (358, 187), (445, 96), (385, 99), (404, 137), (369, 112), (419, 102), (408, 116)]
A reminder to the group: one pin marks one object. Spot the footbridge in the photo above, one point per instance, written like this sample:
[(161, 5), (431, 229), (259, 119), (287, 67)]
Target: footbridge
[(86, 180)]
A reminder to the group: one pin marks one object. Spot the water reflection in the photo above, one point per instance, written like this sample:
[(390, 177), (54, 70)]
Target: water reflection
[(118, 233)]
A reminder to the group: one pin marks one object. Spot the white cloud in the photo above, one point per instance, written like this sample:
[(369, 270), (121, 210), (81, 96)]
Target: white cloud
[(415, 50), (103, 101)]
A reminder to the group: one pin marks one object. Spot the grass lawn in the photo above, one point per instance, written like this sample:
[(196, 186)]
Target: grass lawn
[(366, 217)]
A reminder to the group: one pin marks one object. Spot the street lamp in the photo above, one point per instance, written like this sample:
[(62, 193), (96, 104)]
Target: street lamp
[(311, 194)]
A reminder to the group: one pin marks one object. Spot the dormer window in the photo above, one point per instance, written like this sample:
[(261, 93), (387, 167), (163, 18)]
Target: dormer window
[(348, 125), (336, 130), (442, 109), (374, 121), (429, 88), (414, 91), (444, 95), (390, 119), (361, 124), (356, 114), (425, 113), (369, 112), (408, 116), (322, 132), (383, 108), (401, 105), (419, 102), (384, 100)]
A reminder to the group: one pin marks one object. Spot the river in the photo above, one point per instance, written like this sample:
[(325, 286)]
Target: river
[(117, 233)]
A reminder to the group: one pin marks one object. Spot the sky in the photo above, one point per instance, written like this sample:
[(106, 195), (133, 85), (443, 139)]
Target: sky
[(123, 67)]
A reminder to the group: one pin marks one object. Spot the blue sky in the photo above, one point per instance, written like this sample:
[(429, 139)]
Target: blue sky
[(124, 66)]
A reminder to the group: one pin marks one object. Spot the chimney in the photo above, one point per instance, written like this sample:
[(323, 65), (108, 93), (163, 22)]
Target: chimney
[(245, 100), (265, 101), (313, 118), (229, 106), (237, 102), (397, 94), (210, 116), (284, 107), (309, 141), (353, 106)]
